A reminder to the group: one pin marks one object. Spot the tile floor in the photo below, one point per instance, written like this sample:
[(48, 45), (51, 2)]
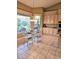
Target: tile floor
[(42, 50)]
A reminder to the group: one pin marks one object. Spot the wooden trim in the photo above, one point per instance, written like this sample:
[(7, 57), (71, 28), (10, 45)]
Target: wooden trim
[(22, 14), (24, 10), (53, 7), (50, 10)]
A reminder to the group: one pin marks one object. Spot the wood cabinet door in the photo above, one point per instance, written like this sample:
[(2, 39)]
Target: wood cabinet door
[(55, 19), (50, 19)]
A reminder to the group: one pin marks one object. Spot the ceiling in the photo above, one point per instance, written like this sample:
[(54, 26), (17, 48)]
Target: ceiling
[(39, 3)]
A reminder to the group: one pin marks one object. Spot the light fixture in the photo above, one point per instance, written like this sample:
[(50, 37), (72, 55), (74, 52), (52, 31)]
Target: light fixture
[(32, 16)]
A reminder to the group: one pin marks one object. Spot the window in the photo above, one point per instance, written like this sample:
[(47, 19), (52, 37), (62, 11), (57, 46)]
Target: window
[(37, 24), (23, 23)]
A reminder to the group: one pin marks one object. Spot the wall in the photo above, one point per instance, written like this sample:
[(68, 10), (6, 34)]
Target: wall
[(23, 7), (22, 12), (54, 7), (38, 10)]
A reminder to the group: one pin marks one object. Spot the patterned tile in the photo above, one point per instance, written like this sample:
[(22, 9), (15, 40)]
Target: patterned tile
[(50, 56), (42, 50)]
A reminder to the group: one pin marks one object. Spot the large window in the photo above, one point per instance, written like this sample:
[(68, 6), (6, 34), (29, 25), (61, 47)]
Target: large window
[(23, 23), (37, 24)]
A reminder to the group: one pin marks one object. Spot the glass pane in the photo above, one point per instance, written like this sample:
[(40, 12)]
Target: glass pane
[(37, 24), (23, 24)]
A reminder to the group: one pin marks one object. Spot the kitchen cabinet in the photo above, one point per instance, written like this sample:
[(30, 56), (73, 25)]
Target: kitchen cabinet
[(50, 18), (50, 31)]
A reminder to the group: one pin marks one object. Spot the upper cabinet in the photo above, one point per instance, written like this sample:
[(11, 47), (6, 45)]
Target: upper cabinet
[(59, 14), (50, 17)]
